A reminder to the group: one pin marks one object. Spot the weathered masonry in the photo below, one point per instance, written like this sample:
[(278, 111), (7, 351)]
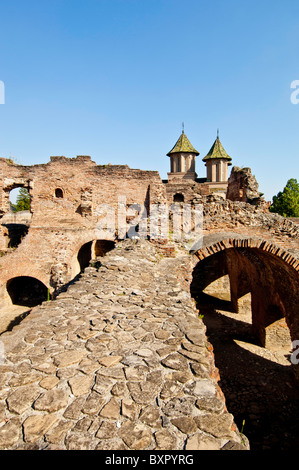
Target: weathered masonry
[(67, 196), (120, 357), (71, 197), (258, 267), (119, 361), (47, 247)]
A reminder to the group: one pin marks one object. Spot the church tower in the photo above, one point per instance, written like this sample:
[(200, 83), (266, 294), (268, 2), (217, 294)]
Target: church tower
[(182, 159), (217, 162)]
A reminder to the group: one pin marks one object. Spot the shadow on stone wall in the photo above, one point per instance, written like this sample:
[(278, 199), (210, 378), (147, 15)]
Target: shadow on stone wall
[(258, 390)]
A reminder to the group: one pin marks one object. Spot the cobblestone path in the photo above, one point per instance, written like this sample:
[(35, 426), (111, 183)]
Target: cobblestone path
[(118, 361)]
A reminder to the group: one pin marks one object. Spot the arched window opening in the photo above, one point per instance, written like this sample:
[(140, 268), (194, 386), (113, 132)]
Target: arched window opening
[(58, 193), (26, 291), (178, 197), (19, 199), (17, 220), (89, 252)]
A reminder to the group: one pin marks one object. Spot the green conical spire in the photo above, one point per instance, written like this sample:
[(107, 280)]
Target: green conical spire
[(217, 152), (183, 145)]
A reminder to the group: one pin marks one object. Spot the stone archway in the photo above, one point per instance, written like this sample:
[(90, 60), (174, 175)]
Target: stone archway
[(265, 270), (84, 255), (88, 251), (26, 291)]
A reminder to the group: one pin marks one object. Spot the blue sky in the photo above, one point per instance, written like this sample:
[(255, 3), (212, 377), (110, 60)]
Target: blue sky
[(114, 79)]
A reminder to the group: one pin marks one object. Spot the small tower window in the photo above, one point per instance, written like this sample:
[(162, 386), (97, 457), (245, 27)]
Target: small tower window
[(59, 193), (178, 197)]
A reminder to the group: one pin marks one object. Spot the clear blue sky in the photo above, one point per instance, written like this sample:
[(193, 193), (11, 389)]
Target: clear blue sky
[(114, 79)]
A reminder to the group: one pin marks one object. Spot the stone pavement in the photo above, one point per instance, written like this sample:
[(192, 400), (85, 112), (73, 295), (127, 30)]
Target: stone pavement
[(120, 360)]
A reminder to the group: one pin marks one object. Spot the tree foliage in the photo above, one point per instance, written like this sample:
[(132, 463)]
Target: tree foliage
[(286, 203), (22, 201)]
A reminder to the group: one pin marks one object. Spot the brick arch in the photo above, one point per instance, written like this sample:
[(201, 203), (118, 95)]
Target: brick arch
[(258, 266), (22, 270), (264, 245), (94, 249)]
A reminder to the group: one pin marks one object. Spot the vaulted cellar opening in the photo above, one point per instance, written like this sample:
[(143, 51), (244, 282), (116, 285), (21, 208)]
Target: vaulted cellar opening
[(26, 291), (101, 247), (84, 255), (248, 300), (93, 250)]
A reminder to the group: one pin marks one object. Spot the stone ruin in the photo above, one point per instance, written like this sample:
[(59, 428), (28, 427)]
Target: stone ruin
[(80, 215)]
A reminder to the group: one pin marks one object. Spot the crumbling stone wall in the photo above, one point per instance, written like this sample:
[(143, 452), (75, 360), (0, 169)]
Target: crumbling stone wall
[(242, 186), (190, 190), (67, 196), (262, 268)]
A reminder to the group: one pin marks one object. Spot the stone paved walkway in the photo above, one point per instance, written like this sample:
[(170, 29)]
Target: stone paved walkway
[(118, 361)]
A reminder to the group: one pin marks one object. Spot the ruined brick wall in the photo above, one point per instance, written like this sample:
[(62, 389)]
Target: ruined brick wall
[(190, 190), (80, 179), (242, 186), (67, 196), (259, 266), (254, 221)]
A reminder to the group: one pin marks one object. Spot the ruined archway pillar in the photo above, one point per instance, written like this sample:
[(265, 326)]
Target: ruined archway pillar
[(258, 326), (238, 277)]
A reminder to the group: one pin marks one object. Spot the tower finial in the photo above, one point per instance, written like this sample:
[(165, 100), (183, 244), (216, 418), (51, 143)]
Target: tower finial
[(183, 127), (218, 133)]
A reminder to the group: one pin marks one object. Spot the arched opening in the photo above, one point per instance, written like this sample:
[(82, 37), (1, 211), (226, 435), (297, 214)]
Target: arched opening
[(13, 194), (101, 247), (251, 339), (219, 288), (19, 199), (84, 255), (178, 197), (58, 193), (211, 282), (26, 291), (91, 251), (17, 220)]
